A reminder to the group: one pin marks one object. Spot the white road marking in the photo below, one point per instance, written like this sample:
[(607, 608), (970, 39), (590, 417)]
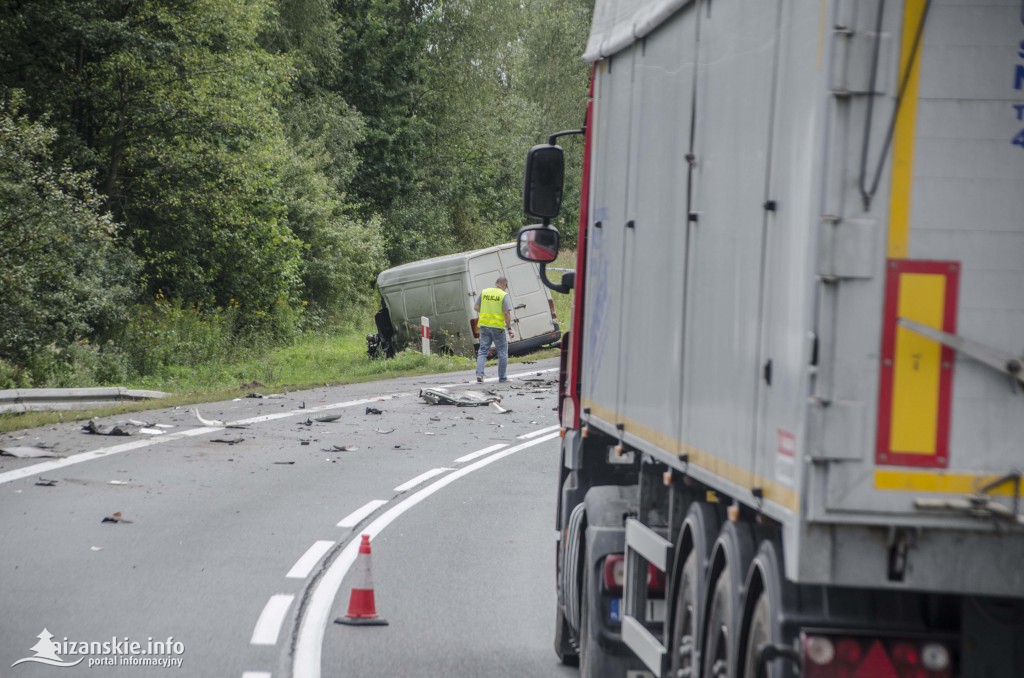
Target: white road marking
[(421, 478), (534, 434), (304, 565), (43, 467), (479, 453), (268, 626), (256, 674), (356, 517), (313, 624), (524, 375), (99, 454)]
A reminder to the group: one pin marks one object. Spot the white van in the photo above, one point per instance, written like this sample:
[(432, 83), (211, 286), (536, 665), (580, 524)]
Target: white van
[(445, 290)]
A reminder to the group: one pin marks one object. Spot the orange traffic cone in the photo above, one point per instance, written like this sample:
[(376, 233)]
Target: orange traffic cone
[(362, 610)]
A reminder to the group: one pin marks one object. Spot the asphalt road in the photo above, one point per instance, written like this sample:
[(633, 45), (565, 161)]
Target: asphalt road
[(235, 557)]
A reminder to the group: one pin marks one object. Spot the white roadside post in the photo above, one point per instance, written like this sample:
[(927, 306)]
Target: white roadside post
[(425, 333)]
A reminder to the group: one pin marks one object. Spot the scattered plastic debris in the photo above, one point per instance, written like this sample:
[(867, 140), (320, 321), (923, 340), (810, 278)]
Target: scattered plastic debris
[(46, 482), (284, 463), (329, 418), (341, 448), (117, 482), (101, 430), (115, 518), (442, 396), (207, 422), (304, 442), (27, 452), (498, 408), (95, 548), (390, 430), (373, 410), (227, 441)]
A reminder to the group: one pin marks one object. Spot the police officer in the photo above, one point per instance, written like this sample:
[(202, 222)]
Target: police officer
[(495, 309)]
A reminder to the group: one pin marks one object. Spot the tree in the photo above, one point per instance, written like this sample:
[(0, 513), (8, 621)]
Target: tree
[(63, 276)]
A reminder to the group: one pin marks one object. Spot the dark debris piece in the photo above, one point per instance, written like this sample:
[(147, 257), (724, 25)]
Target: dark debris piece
[(373, 410), (115, 518)]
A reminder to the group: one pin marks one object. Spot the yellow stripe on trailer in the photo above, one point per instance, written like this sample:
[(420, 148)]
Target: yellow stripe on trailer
[(904, 135), (938, 482)]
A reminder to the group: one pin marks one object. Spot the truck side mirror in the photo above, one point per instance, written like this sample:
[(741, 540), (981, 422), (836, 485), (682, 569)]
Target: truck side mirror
[(538, 244), (542, 189)]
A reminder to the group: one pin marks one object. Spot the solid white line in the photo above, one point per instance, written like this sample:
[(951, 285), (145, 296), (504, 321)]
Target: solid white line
[(523, 375), (256, 674), (304, 565), (421, 478), (534, 434), (356, 517), (268, 626), (479, 453), (99, 454), (313, 624)]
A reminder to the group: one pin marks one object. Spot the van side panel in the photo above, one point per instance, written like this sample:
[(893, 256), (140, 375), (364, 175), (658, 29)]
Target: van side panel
[(531, 312)]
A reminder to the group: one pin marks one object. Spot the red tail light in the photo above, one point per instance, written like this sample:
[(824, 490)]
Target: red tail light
[(615, 576), (551, 305), (865, 657), (475, 323)]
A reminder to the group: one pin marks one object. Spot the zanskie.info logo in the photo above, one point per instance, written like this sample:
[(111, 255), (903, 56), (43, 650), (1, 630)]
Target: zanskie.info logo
[(114, 652)]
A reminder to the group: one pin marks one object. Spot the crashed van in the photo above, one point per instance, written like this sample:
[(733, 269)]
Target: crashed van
[(445, 290)]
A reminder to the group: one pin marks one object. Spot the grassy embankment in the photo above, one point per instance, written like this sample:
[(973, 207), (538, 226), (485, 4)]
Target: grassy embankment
[(311, 361)]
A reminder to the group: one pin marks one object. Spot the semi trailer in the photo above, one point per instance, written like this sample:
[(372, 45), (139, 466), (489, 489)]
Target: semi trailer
[(791, 392)]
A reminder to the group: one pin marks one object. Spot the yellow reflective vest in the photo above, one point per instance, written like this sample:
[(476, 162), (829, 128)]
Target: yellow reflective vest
[(491, 301)]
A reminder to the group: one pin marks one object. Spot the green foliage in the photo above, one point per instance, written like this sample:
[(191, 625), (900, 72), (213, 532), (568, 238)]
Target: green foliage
[(251, 165), (62, 275)]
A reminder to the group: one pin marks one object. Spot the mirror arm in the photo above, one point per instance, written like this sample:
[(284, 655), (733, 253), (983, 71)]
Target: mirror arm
[(568, 280), (566, 133)]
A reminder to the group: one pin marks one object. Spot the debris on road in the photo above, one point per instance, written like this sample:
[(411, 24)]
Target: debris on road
[(227, 441), (45, 482), (341, 448), (95, 548), (117, 482), (329, 418), (115, 430), (498, 408), (23, 452), (284, 463), (115, 518), (390, 430), (442, 396), (207, 422), (373, 410)]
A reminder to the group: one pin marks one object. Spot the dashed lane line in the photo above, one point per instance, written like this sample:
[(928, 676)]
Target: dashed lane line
[(268, 626), (304, 565)]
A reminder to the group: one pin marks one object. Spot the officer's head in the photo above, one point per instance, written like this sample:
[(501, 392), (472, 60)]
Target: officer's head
[(501, 282)]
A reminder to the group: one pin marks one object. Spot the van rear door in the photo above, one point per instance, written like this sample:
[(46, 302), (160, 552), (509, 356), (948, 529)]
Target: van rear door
[(530, 305)]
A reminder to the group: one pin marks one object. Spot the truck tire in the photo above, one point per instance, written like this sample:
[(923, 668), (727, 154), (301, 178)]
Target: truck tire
[(729, 560), (763, 613), (567, 623), (694, 547)]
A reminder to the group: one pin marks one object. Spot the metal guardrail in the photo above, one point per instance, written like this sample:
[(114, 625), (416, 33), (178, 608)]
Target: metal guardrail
[(41, 399)]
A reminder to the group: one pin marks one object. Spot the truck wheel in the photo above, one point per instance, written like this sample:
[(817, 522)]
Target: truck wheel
[(684, 641), (589, 651), (731, 554), (699, 531), (763, 613), (563, 645)]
